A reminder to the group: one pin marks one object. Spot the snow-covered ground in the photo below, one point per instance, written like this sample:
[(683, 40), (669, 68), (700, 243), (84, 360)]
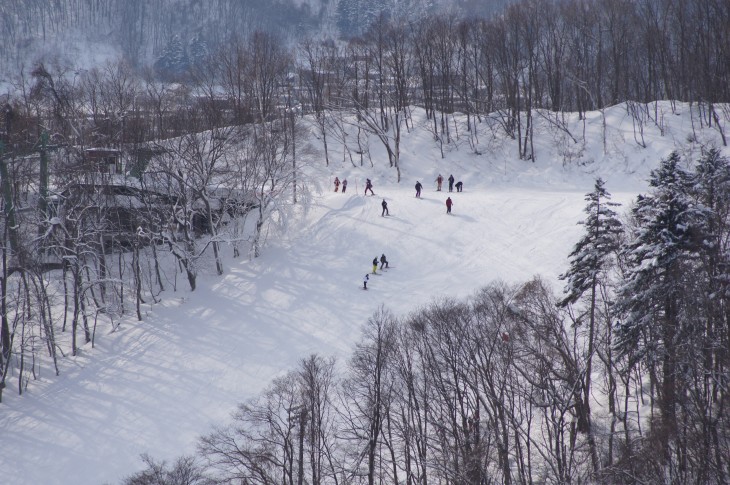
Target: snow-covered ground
[(155, 386)]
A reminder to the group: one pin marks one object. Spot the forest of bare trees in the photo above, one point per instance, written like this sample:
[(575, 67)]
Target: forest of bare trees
[(114, 184), (120, 183)]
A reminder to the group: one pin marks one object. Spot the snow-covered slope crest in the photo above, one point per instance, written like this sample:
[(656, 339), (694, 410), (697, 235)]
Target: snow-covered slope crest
[(157, 385)]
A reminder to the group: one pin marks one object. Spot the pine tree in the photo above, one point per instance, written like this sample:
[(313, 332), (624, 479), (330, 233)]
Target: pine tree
[(589, 261), (594, 250), (711, 188), (355, 16), (655, 296), (198, 51), (173, 61)]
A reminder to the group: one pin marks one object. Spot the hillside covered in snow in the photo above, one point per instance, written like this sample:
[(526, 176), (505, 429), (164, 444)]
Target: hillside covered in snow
[(158, 385)]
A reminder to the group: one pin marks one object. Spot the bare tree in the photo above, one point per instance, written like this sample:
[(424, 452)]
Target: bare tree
[(184, 471), (265, 444), (267, 66), (550, 363), (368, 391), (317, 75), (268, 156), (191, 171), (317, 380)]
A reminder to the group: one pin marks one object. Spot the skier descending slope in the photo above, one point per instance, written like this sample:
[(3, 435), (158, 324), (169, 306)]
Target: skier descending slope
[(369, 186)]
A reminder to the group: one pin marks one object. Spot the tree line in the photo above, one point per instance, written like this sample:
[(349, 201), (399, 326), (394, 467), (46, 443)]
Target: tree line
[(536, 58), (621, 379)]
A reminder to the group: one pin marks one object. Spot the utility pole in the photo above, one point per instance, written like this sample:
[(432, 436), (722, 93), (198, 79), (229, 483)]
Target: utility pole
[(5, 340), (43, 148), (8, 200), (43, 202), (302, 424), (290, 109)]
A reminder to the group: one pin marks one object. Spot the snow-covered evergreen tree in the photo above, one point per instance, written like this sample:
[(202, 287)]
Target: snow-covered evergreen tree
[(355, 16), (173, 61), (594, 250), (589, 262), (656, 297), (198, 50), (711, 188)]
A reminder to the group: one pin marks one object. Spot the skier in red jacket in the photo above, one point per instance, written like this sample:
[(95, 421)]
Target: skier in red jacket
[(449, 203)]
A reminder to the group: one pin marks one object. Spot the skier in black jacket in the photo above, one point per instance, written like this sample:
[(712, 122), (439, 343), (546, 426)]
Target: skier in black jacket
[(369, 186)]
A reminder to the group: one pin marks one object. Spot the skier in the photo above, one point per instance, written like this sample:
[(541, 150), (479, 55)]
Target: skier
[(337, 184), (385, 208), (365, 281), (439, 181), (451, 183), (375, 264), (383, 262), (418, 189), (344, 185), (459, 186), (449, 203), (369, 186)]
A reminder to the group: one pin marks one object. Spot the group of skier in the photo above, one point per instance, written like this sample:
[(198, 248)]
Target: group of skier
[(385, 212), (383, 264), (440, 180), (337, 185)]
